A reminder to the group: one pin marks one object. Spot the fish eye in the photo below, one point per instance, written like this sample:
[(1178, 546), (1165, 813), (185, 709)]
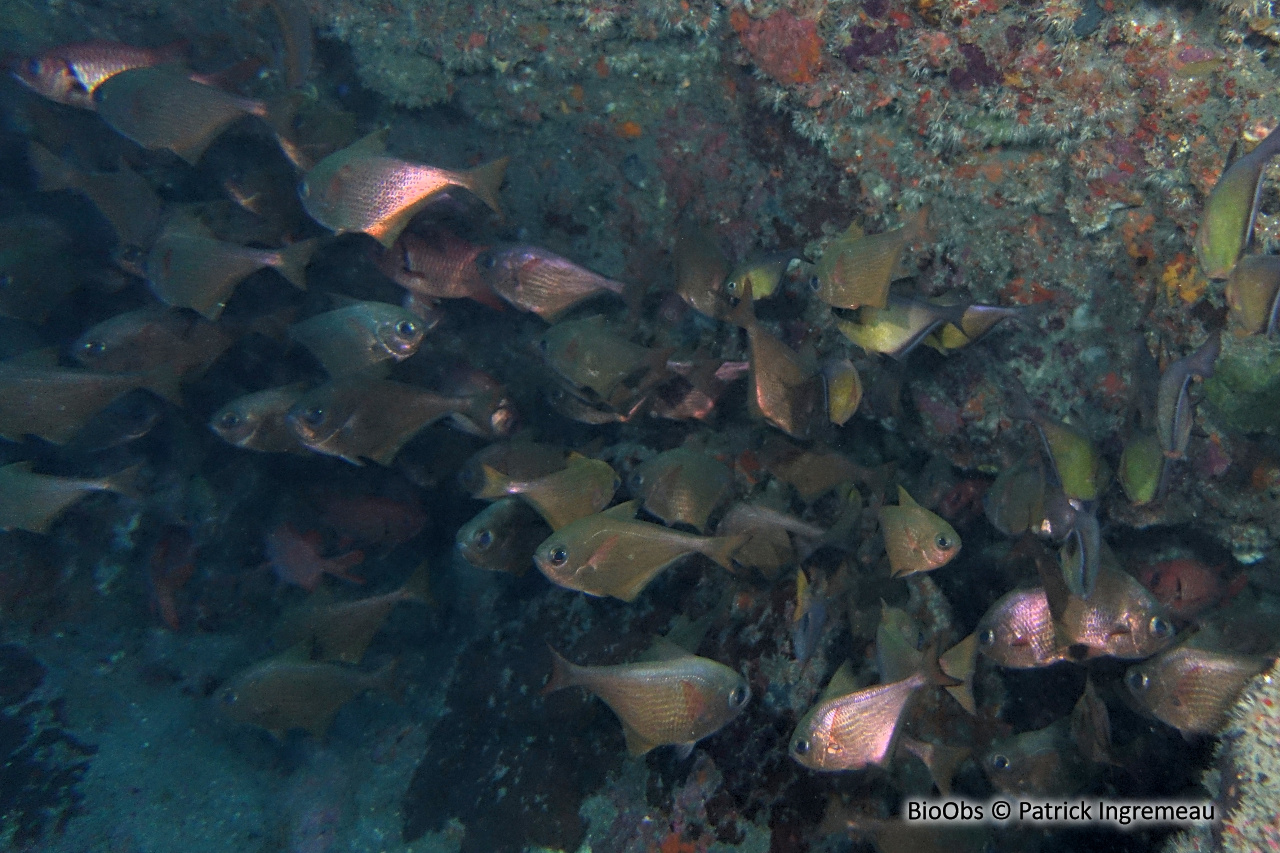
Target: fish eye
[(543, 345), (314, 416), (406, 328), (943, 542), (1000, 762), (559, 555), (987, 637), (801, 746), (483, 538), (815, 284), (738, 696), (230, 420), (1160, 627), (93, 348), (1138, 681), (732, 288)]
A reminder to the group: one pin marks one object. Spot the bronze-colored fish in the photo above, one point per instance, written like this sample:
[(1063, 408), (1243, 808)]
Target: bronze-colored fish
[(899, 654), (811, 471), (356, 337), (1226, 225), (1174, 413), (30, 501), (589, 354), (583, 487), (190, 268), (360, 418), (1015, 501), (785, 390), (1120, 619), (147, 338), (1192, 689), (1040, 763), (768, 532), (54, 402), (1253, 295), (438, 265), (502, 537), (1018, 631), (941, 760), (763, 271), (362, 189), (842, 388), (1076, 461), (916, 539), (1091, 725), (856, 270), (678, 699), (976, 323), (538, 281), (611, 554), (342, 630), (701, 269), (682, 486), (160, 108), (518, 461), (123, 197), (292, 692), (257, 421)]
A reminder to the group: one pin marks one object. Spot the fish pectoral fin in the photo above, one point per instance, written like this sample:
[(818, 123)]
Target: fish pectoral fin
[(637, 744)]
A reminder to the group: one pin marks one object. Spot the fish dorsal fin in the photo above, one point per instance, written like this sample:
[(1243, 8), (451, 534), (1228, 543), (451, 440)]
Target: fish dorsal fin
[(637, 744), (841, 684), (854, 231), (664, 650), (905, 500), (626, 511)]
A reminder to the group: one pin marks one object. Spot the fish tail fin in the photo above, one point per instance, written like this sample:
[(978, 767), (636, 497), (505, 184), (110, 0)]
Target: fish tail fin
[(959, 662), (932, 670), (494, 485), (486, 180), (418, 586), (743, 314), (292, 261), (561, 673), (722, 548)]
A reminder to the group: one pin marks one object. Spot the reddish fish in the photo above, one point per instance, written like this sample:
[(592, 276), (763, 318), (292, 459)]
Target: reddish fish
[(1186, 586), (172, 565), (295, 558), (372, 518), (71, 73), (439, 265)]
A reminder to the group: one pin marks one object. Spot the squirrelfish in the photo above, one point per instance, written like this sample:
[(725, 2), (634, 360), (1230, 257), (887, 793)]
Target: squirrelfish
[(916, 539), (70, 73), (856, 269), (678, 699), (31, 501), (502, 537), (295, 558), (541, 282), (360, 188), (584, 486), (612, 554), (291, 691), (257, 421), (1173, 403), (358, 336), (1192, 689), (681, 486), (1226, 225)]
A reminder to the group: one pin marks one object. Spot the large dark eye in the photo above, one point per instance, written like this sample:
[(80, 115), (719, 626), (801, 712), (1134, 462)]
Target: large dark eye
[(559, 555), (406, 328), (1138, 681), (1160, 627), (314, 416), (230, 421), (987, 637), (801, 746), (1000, 762), (815, 283), (483, 539), (738, 696), (943, 542), (637, 481), (93, 349)]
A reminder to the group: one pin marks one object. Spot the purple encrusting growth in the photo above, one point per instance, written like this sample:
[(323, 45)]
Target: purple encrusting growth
[(866, 42)]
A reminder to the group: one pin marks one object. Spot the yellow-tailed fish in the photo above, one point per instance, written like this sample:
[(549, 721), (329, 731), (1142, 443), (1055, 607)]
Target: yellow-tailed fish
[(1192, 689), (916, 539), (519, 460), (856, 269), (123, 197), (588, 353), (1076, 461), (30, 501), (1253, 295), (502, 537), (356, 337), (583, 487), (147, 338), (976, 322), (898, 327), (1040, 763), (785, 390), (541, 282), (1015, 501), (898, 654), (763, 272), (701, 268), (190, 268), (1226, 225), (850, 729), (358, 418), (1142, 465), (161, 108), (342, 630), (257, 421), (290, 691), (682, 486), (362, 189), (677, 699), (612, 554), (54, 403), (843, 390), (941, 760), (1174, 413)]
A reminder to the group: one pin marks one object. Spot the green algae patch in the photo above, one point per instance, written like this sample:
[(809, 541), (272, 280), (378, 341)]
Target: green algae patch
[(1244, 391)]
